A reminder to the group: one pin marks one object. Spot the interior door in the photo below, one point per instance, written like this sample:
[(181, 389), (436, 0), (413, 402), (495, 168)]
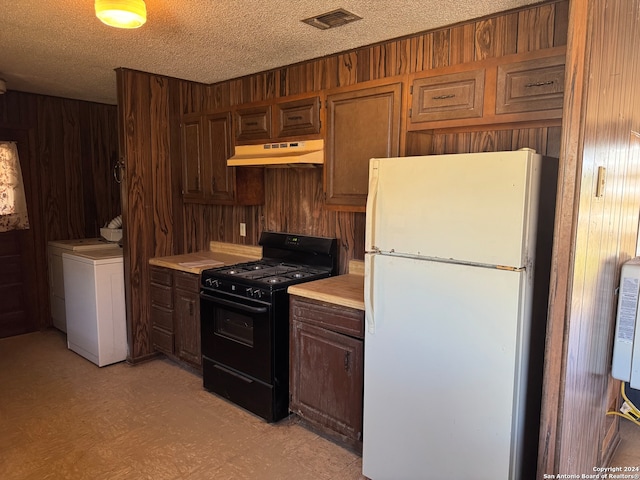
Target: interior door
[(22, 295)]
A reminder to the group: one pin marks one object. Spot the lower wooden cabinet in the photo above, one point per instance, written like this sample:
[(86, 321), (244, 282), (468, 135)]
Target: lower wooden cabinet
[(362, 123), (186, 301), (175, 314), (326, 368), (161, 311)]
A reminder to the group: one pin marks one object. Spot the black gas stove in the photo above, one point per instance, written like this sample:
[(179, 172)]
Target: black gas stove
[(287, 260), (244, 313), (258, 279)]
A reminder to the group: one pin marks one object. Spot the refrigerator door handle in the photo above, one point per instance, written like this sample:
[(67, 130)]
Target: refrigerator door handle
[(368, 293), (372, 201)]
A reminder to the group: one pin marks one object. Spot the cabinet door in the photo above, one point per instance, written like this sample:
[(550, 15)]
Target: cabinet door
[(531, 85), (361, 124), (192, 157), (327, 379), (187, 317), (446, 97), (220, 178), (297, 118), (253, 124)]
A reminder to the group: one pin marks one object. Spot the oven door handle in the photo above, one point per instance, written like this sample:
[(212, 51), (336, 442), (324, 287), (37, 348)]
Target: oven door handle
[(229, 303)]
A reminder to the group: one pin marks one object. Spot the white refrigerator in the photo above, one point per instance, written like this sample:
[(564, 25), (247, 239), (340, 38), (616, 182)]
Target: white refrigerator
[(455, 316)]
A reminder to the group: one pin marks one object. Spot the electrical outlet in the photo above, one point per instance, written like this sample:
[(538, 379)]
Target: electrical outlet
[(243, 229)]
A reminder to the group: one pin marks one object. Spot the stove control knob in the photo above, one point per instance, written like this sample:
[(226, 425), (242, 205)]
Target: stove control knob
[(249, 292), (212, 283), (257, 293)]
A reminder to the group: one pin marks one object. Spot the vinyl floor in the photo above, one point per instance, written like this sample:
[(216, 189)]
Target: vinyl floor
[(62, 417)]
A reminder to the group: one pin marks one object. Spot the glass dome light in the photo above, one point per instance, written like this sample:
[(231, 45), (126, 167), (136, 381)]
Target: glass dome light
[(121, 13)]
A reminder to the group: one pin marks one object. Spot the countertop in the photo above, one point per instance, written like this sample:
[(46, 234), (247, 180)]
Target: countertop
[(220, 254), (344, 290)]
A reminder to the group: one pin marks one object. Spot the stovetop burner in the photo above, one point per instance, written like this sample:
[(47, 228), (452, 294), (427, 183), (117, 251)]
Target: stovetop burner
[(288, 259), (264, 272)]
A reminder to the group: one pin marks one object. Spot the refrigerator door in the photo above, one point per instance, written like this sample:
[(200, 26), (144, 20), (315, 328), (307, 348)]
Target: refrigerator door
[(478, 208), (443, 390)]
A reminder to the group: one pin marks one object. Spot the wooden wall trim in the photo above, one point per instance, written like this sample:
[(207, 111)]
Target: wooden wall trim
[(564, 238)]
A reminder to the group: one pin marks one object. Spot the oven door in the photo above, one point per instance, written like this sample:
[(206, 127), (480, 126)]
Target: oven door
[(237, 333)]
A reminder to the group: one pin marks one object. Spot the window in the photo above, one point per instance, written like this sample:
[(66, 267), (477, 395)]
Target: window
[(13, 204)]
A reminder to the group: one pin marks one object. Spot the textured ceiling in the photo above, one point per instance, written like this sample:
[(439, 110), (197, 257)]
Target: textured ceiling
[(59, 47)]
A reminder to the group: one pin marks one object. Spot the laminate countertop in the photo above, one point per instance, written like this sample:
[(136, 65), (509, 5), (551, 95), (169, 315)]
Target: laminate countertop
[(220, 254), (344, 290)]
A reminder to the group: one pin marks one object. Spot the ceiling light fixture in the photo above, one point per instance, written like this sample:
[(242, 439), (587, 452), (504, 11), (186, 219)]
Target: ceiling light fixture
[(121, 13)]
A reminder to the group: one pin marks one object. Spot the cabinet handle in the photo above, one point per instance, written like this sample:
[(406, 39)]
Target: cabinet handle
[(347, 363), (213, 184), (197, 181), (443, 97), (191, 309), (251, 124), (539, 84), (295, 117)]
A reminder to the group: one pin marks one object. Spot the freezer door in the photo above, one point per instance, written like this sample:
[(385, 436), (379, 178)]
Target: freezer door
[(477, 207), (443, 390)]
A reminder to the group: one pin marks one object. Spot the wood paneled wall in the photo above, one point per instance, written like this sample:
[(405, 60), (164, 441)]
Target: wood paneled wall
[(73, 145), (594, 235)]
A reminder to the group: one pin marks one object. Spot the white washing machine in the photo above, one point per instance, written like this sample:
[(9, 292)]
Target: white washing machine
[(56, 278), (94, 305)]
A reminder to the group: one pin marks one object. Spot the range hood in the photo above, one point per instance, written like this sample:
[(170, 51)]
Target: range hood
[(282, 154)]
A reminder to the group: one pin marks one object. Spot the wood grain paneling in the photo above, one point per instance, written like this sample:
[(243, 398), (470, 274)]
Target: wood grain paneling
[(72, 148), (594, 235)]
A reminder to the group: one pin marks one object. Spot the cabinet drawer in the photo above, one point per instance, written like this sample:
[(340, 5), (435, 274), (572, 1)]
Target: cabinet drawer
[(300, 117), (446, 97), (161, 296), (187, 281), (161, 276), (531, 85), (253, 124), (161, 340), (162, 317), (332, 317)]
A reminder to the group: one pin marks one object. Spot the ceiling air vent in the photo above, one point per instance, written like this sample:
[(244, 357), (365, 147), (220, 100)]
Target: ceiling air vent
[(332, 19)]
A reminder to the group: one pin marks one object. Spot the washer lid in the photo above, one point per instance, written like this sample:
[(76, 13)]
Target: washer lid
[(98, 256), (82, 244)]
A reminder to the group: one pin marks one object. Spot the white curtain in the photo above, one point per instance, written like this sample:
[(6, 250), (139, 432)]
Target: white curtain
[(13, 203)]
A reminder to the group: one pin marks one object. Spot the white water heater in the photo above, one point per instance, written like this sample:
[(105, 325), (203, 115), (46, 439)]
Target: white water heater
[(626, 343)]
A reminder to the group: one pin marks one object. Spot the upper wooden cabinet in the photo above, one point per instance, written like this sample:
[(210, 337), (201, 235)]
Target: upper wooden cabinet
[(192, 156), (206, 145), (445, 97), (530, 86), (296, 118), (253, 124), (518, 88), (220, 179), (362, 123)]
